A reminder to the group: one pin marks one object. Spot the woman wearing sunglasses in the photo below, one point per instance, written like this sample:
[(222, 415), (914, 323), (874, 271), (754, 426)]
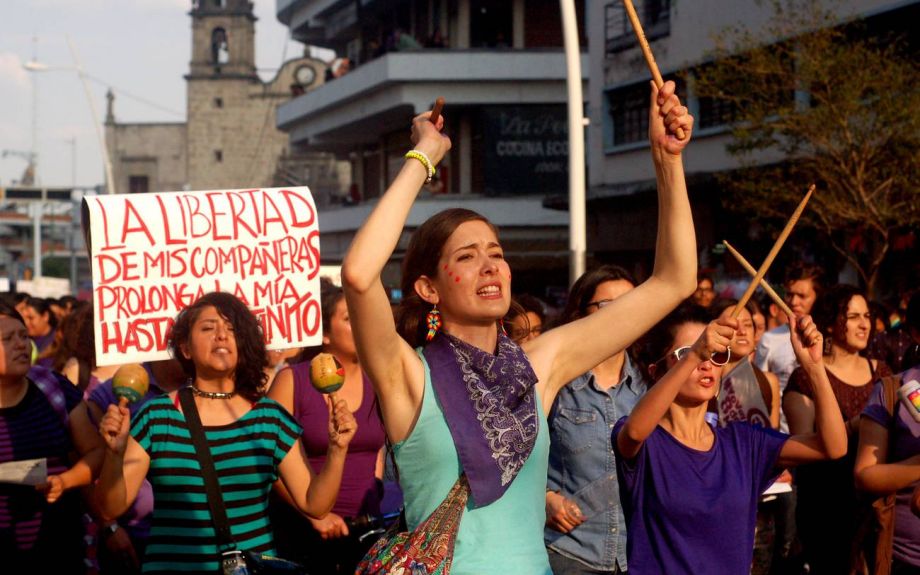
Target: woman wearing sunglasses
[(690, 489)]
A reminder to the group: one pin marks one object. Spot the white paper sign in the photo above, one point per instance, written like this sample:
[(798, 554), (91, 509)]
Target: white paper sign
[(154, 254), (45, 287)]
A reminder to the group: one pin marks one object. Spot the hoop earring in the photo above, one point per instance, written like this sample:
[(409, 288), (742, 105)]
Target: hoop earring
[(433, 321)]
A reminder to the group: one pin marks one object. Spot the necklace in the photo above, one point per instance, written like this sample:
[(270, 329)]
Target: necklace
[(212, 394)]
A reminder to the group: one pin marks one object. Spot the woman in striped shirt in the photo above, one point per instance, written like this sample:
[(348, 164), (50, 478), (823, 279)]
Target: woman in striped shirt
[(252, 439)]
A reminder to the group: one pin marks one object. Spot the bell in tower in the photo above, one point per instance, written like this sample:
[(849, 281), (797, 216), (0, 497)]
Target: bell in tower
[(223, 39)]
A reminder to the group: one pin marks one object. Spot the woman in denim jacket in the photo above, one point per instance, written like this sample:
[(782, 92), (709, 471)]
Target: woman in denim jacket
[(585, 528)]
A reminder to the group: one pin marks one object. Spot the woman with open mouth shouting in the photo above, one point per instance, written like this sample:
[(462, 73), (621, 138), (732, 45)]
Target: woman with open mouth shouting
[(460, 397)]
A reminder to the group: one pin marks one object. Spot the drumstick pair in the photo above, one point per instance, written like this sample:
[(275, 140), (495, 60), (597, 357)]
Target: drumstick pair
[(723, 358)]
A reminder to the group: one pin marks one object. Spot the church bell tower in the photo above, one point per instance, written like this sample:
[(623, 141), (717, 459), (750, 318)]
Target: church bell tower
[(223, 39)]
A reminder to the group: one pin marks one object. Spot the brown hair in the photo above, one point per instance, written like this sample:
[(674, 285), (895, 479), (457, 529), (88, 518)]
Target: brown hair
[(421, 259)]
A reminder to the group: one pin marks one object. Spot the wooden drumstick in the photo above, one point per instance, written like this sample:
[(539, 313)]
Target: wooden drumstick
[(763, 283), (647, 52), (436, 110), (772, 255)]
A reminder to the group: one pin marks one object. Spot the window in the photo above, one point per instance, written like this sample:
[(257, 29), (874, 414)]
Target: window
[(655, 16), (628, 112), (138, 184), (218, 102), (220, 47), (218, 155)]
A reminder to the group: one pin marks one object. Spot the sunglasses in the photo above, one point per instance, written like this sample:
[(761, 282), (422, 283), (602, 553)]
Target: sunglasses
[(599, 303), (680, 353)]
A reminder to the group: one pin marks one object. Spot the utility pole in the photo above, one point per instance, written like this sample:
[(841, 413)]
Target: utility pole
[(577, 234)]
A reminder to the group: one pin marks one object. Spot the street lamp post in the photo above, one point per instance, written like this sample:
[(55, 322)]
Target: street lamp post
[(34, 66), (577, 234)]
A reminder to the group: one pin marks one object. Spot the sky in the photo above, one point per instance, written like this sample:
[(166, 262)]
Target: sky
[(139, 48)]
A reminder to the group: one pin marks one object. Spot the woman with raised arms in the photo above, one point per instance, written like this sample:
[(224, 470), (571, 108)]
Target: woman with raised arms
[(253, 440), (689, 488), (470, 400)]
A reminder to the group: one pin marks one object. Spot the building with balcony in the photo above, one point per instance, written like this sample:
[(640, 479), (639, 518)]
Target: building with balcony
[(501, 68)]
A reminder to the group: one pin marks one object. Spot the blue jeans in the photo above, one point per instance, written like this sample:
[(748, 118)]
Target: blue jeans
[(563, 565)]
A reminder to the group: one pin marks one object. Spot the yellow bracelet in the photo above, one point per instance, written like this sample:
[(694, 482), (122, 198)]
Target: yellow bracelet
[(423, 158)]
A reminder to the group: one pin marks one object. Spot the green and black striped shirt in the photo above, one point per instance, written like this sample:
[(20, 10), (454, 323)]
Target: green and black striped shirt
[(246, 455)]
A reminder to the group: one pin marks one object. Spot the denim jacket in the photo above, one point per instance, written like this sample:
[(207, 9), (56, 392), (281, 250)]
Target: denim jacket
[(582, 466)]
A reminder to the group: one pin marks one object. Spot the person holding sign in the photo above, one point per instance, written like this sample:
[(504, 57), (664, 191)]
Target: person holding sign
[(253, 441), (327, 543), (460, 397), (40, 525), (690, 488)]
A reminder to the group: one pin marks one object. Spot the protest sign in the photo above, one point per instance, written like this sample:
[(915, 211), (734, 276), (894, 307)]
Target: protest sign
[(154, 254)]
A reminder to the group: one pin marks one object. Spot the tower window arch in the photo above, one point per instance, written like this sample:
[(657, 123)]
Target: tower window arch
[(220, 47)]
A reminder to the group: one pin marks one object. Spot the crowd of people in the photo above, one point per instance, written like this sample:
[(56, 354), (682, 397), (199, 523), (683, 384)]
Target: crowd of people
[(650, 427)]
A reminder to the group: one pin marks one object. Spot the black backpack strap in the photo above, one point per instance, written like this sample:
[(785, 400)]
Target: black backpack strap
[(209, 474)]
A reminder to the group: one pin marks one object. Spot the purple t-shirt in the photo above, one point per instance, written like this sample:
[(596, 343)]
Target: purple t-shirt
[(690, 511), (904, 443)]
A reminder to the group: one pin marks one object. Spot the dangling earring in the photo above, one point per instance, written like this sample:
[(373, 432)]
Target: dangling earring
[(433, 321), (501, 327), (827, 347)]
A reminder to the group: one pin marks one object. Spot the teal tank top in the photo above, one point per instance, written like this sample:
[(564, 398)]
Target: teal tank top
[(503, 537)]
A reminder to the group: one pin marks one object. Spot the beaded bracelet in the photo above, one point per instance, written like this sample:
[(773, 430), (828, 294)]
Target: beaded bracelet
[(423, 158)]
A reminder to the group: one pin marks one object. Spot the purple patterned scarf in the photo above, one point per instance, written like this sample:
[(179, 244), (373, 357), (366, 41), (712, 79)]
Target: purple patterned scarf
[(489, 403)]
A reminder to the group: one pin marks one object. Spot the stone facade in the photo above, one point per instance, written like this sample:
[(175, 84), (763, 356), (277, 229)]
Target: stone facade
[(230, 139)]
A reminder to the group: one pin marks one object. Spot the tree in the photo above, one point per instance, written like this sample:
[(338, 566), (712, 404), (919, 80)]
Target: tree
[(830, 104)]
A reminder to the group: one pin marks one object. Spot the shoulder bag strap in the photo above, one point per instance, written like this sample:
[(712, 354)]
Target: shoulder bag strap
[(212, 487)]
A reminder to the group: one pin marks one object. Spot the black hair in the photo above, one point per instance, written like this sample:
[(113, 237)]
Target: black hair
[(42, 306), (584, 287), (10, 311), (249, 378), (656, 343), (830, 310)]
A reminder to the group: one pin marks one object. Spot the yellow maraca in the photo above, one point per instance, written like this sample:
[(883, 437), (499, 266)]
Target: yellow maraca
[(327, 375), (130, 383)]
